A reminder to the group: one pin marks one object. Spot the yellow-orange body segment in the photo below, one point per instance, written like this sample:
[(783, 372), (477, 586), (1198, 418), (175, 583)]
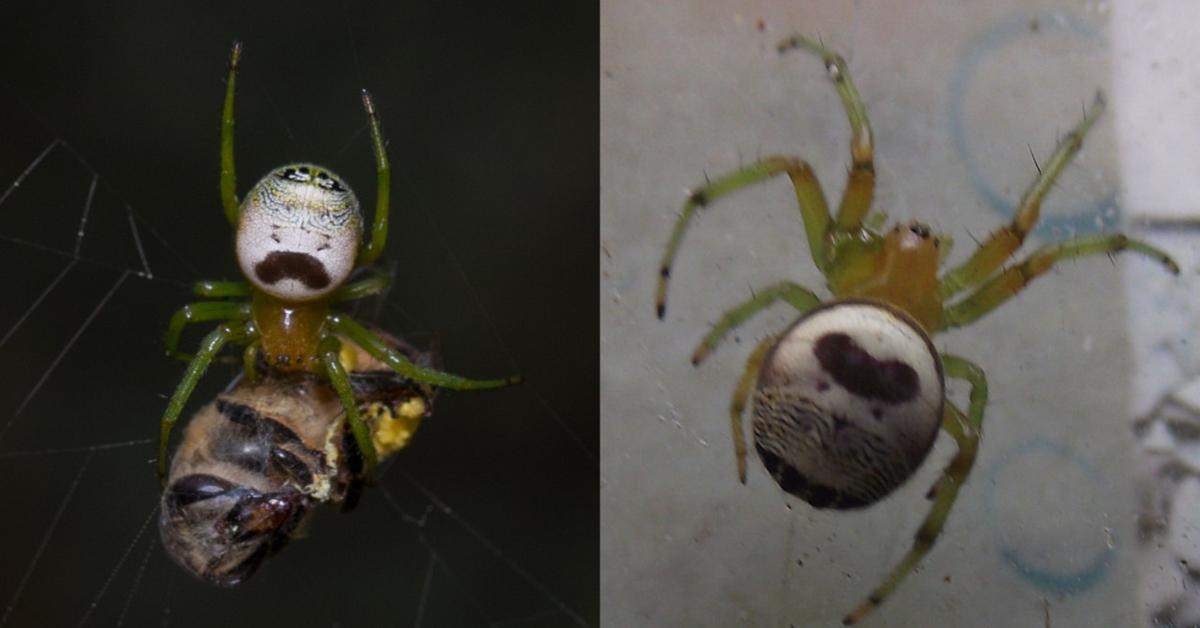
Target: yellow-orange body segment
[(289, 332), (899, 268)]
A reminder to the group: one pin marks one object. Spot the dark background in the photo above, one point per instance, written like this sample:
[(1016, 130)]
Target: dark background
[(491, 118)]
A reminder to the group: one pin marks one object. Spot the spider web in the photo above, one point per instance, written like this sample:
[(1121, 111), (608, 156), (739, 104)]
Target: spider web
[(489, 517)]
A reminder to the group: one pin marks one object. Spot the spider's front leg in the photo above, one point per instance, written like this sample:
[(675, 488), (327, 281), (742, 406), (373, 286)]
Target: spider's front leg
[(820, 228), (373, 247), (1016, 278), (809, 195), (966, 430), (860, 184), (234, 331), (228, 172), (1001, 244)]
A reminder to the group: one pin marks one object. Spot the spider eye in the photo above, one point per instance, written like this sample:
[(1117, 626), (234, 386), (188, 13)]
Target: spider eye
[(919, 230), (299, 233), (330, 182)]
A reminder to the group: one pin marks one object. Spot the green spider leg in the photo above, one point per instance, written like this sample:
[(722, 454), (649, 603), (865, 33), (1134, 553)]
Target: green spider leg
[(1014, 279), (742, 393), (383, 174), (966, 431), (233, 331), (200, 312), (376, 283), (860, 183), (813, 209), (370, 250), (220, 289), (822, 230), (250, 360), (329, 350), (1002, 243), (800, 297), (228, 172), (378, 349)]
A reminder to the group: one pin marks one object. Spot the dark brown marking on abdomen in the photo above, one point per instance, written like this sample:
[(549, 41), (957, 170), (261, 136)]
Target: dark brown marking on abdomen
[(280, 265), (892, 381)]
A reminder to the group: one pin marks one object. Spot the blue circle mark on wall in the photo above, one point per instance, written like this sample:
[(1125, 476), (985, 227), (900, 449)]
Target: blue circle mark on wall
[(1092, 217), (1065, 581)]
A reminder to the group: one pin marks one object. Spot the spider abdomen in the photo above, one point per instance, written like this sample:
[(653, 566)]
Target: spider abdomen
[(298, 233), (848, 404)]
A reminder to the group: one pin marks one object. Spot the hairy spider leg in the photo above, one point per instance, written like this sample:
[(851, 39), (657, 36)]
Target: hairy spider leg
[(353, 331), (800, 297), (1016, 278), (234, 331), (200, 312), (1002, 243), (740, 394), (860, 182), (330, 348), (966, 431), (373, 247), (820, 227), (813, 209), (228, 172), (221, 289)]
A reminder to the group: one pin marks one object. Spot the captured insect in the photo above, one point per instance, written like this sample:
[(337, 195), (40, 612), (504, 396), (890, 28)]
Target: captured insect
[(254, 463), (298, 238), (849, 399)]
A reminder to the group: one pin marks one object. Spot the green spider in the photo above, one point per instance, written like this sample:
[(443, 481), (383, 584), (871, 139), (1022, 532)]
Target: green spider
[(298, 238), (850, 398)]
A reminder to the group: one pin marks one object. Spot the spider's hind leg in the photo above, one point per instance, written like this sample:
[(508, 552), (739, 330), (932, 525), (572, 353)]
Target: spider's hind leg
[(375, 284), (329, 350), (378, 349), (798, 296), (200, 312), (221, 289), (237, 331), (740, 395), (966, 431)]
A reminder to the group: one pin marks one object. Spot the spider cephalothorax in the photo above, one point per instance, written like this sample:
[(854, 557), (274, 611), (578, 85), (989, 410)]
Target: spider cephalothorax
[(848, 400), (299, 236)]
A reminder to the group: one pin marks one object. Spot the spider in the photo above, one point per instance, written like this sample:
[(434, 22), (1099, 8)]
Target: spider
[(298, 237), (849, 399)]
